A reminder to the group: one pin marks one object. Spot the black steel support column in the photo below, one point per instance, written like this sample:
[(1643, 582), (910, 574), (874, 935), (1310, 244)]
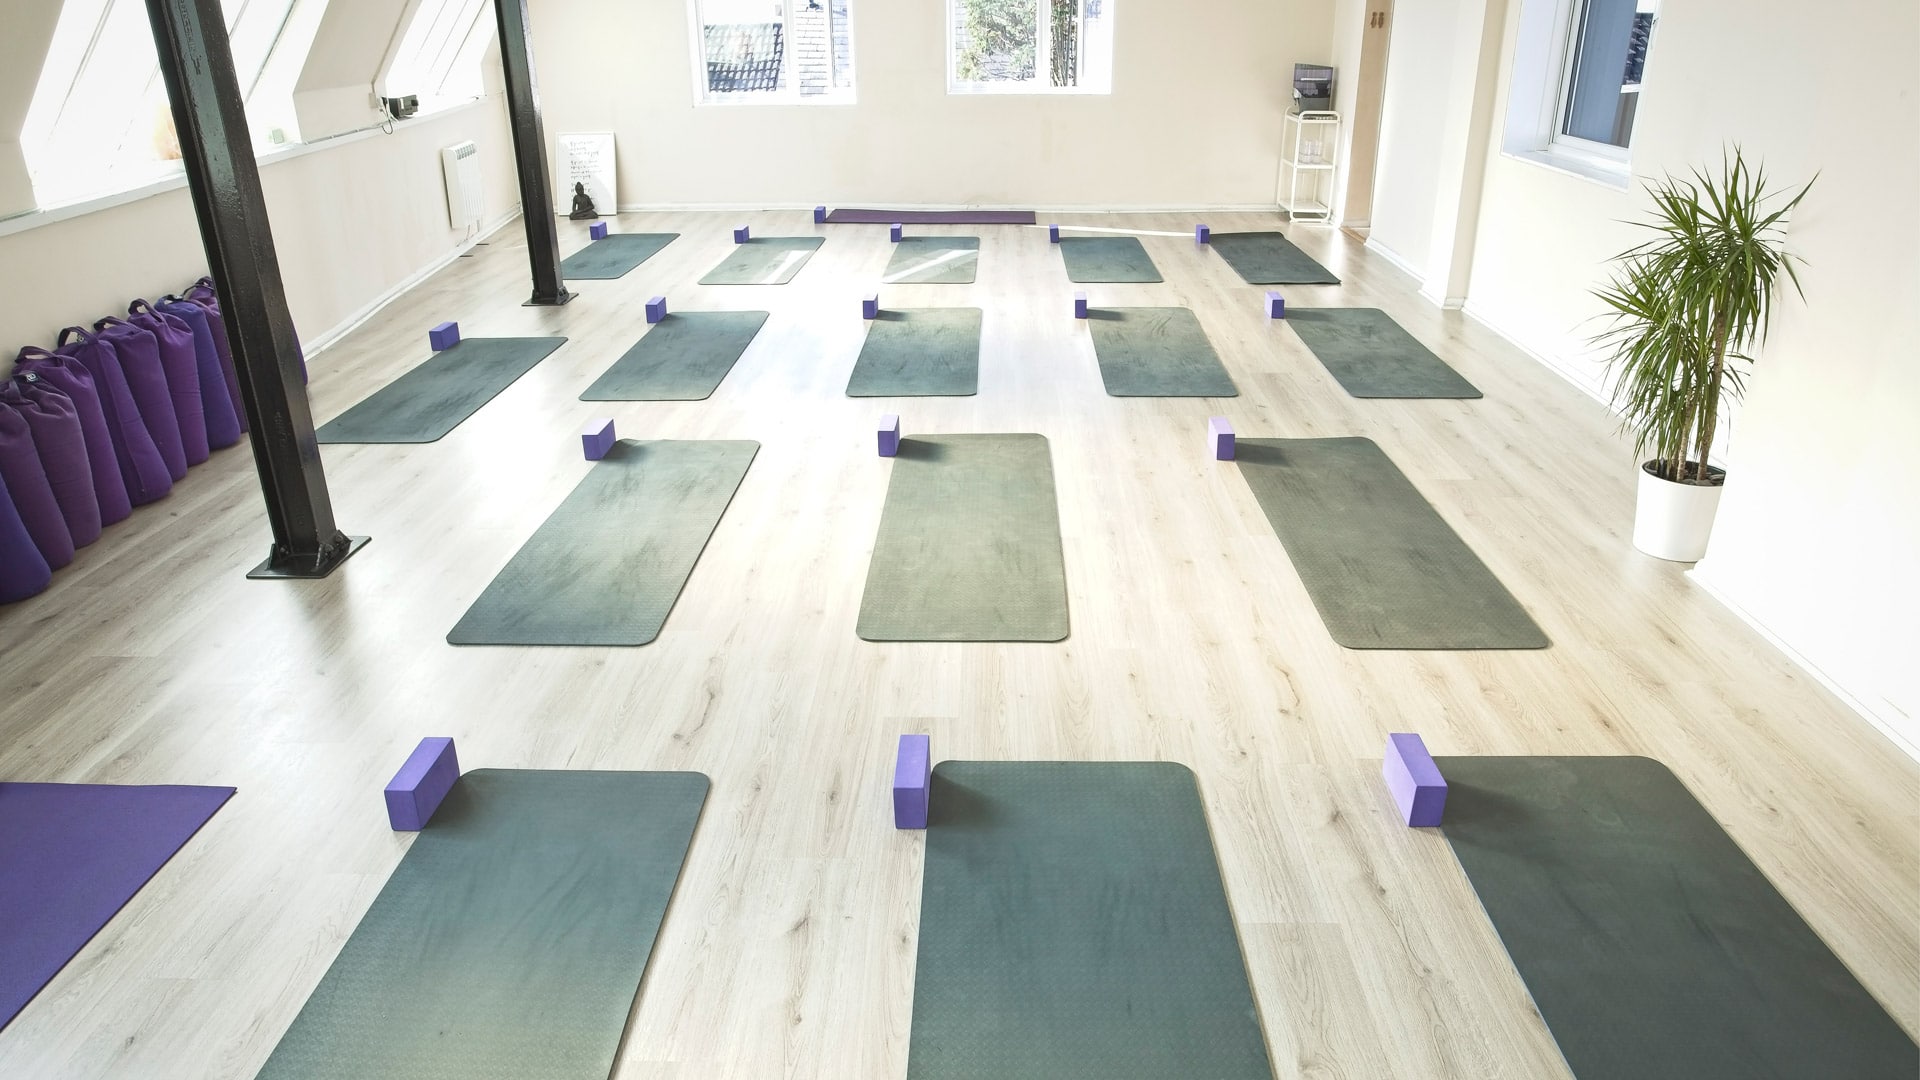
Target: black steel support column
[(211, 119), (530, 153)]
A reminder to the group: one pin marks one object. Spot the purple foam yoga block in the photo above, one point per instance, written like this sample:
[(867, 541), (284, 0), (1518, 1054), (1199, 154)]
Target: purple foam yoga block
[(1079, 305), (445, 336), (1276, 305), (870, 307), (889, 435), (912, 782), (1415, 781), (597, 438), (742, 234), (1053, 234), (415, 791), (1220, 438), (656, 309), (819, 215), (893, 234), (1202, 234), (597, 231)]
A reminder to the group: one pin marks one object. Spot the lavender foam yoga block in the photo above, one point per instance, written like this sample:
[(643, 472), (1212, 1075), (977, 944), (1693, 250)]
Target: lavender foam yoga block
[(143, 471), (912, 782), (66, 375), (62, 443), (1414, 780), (181, 361), (23, 570), (139, 353), (416, 790)]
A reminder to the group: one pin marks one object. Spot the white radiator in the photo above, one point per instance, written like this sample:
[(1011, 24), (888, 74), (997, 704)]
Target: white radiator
[(465, 205)]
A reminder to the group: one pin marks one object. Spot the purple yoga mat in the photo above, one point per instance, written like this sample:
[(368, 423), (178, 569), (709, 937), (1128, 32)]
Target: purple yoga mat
[(931, 217), (71, 856)]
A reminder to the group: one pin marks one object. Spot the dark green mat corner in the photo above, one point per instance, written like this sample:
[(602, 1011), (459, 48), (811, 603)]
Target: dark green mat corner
[(1156, 352), (919, 352), (432, 399), (1374, 357), (683, 357), (613, 255), (1269, 258)]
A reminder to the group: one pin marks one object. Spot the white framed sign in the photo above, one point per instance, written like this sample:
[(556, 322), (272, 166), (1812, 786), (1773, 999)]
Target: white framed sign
[(585, 157)]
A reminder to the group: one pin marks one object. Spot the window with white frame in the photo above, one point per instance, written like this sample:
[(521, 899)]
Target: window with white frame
[(1578, 68), (1030, 46), (762, 51), (438, 59)]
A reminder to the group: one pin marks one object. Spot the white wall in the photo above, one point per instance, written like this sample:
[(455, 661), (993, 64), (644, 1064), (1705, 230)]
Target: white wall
[(1821, 519), (1194, 119), (1412, 126)]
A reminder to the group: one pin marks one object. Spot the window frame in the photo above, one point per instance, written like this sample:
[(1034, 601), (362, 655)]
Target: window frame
[(1540, 90), (462, 32), (1569, 64), (1038, 86), (790, 94)]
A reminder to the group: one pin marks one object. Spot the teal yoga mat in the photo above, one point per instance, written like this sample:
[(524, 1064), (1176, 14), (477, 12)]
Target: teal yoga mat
[(919, 352), (681, 358), (1653, 947), (764, 260), (1373, 357), (614, 255), (511, 939), (606, 567), (969, 544), (1073, 926), (1269, 258), (1107, 259), (1383, 567), (1156, 352), (933, 260), (432, 399)]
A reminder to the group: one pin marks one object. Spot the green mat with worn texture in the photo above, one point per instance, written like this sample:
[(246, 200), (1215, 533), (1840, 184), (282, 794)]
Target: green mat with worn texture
[(1156, 352), (432, 399), (969, 544), (606, 567), (1107, 258), (1652, 946), (934, 260), (613, 255), (1373, 357), (919, 352), (1269, 258), (681, 358), (1383, 568), (511, 939), (764, 260), (1073, 926)]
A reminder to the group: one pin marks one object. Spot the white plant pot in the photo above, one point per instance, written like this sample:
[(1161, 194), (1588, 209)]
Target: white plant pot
[(1673, 521)]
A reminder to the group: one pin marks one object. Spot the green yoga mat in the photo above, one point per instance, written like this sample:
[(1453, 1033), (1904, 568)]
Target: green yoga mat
[(510, 940), (1383, 568), (1107, 258), (919, 352), (1268, 258), (934, 260), (681, 358), (1652, 946), (1156, 352), (1073, 926), (607, 566), (764, 260), (1373, 357), (613, 255), (969, 544), (432, 399)]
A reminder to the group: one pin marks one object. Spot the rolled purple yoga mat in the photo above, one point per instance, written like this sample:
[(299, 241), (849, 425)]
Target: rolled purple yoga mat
[(222, 430), (143, 470), (27, 481), (23, 570), (63, 450), (103, 462), (203, 294), (931, 217), (139, 353), (180, 359)]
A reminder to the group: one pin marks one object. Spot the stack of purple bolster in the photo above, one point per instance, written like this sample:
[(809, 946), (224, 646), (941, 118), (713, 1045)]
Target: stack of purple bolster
[(107, 421)]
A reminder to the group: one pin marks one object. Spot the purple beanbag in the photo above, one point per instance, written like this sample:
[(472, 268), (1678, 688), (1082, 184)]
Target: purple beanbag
[(181, 361), (139, 353), (143, 469), (220, 427), (103, 463), (23, 570), (63, 451), (27, 482), (203, 294)]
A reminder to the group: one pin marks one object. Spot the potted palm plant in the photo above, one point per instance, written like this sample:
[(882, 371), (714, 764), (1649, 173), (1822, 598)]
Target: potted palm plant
[(1683, 309)]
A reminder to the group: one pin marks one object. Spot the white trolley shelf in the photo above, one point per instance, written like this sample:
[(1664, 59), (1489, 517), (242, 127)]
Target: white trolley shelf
[(1306, 165)]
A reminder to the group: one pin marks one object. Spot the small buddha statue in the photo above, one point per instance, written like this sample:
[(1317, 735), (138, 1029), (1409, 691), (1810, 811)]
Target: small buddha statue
[(582, 205)]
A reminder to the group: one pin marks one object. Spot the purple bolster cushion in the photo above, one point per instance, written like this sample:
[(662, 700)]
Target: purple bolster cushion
[(63, 451), (23, 570), (221, 429), (143, 468), (181, 361), (103, 463), (27, 482), (203, 294), (139, 353)]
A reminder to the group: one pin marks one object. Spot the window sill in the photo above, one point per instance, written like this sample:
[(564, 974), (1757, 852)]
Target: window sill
[(1615, 175), (1022, 90), (771, 101)]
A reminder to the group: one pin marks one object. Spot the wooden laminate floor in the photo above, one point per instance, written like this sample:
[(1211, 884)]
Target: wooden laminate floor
[(789, 949)]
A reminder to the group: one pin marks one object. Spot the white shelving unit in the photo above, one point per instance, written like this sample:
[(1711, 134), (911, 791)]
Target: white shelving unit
[(1306, 165)]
